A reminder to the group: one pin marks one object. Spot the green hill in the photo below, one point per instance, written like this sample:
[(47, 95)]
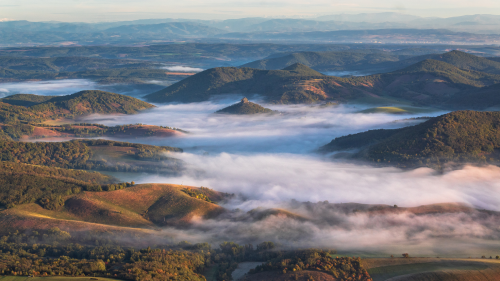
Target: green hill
[(331, 61), (34, 108), (374, 61), (460, 137), (103, 155), (482, 98), (244, 107), (462, 60), (280, 86), (429, 83)]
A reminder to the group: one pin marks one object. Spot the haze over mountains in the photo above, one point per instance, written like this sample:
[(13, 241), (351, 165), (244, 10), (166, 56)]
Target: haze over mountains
[(470, 29)]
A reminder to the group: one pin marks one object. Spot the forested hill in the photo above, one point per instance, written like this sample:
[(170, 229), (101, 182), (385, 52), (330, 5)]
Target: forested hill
[(32, 107), (283, 85), (244, 107), (333, 61), (460, 137), (429, 83)]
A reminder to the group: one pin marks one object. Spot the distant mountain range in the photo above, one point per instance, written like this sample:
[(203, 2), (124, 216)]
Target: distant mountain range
[(156, 30)]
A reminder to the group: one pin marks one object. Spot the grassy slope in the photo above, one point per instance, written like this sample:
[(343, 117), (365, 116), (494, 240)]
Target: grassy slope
[(37, 131), (139, 207), (460, 136), (432, 269)]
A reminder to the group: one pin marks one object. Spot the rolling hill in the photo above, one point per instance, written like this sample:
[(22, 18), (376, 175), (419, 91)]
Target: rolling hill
[(101, 155), (244, 107), (281, 84), (457, 137), (375, 61), (27, 132), (34, 109), (429, 82), (333, 61)]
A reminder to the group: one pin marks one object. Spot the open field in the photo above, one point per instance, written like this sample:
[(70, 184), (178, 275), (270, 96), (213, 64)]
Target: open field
[(140, 208), (430, 269)]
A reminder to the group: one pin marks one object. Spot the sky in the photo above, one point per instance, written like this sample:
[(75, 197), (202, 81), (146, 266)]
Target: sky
[(119, 10)]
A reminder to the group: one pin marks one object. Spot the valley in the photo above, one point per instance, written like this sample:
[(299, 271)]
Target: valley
[(220, 153)]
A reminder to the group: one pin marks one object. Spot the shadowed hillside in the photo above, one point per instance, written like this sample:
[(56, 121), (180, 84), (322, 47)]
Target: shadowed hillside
[(283, 85), (34, 109), (429, 83), (460, 137), (374, 61), (101, 155)]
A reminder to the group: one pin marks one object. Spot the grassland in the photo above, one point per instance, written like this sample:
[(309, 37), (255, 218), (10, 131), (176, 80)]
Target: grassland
[(143, 206), (432, 269)]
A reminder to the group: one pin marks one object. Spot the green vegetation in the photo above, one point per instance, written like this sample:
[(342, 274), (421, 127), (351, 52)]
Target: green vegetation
[(81, 154), (245, 107), (84, 102), (386, 109), (23, 184), (333, 61), (281, 84), (197, 194), (82, 130), (35, 109), (50, 278), (428, 82), (56, 253), (386, 272), (68, 64), (461, 60), (344, 268), (41, 254), (459, 137)]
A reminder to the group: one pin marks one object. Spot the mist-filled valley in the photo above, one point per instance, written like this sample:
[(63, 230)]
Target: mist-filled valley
[(326, 147)]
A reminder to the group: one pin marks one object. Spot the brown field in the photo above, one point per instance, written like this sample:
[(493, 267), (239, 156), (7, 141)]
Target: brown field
[(136, 209), (432, 269)]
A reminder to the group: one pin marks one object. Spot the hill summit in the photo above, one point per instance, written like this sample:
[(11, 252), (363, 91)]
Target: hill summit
[(244, 107)]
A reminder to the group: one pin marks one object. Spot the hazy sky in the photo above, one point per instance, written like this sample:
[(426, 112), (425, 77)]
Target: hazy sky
[(112, 10)]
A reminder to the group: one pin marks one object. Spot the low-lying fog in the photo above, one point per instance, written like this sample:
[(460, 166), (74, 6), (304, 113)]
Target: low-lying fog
[(268, 161)]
